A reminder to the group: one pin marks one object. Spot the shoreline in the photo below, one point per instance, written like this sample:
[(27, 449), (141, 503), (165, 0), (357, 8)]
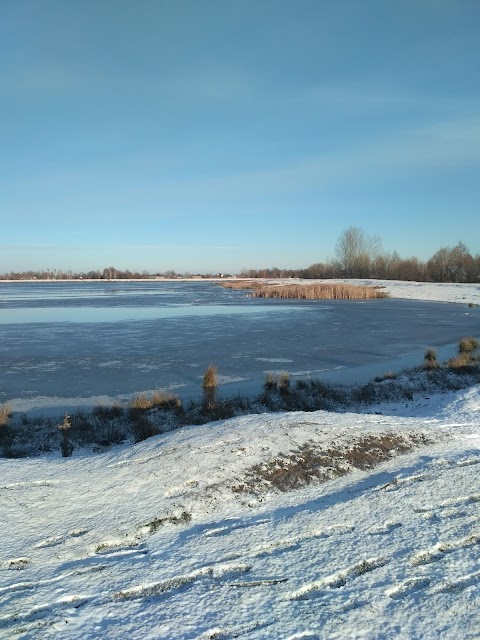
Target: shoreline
[(467, 293)]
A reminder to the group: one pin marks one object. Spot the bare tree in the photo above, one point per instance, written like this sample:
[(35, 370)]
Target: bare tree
[(356, 251)]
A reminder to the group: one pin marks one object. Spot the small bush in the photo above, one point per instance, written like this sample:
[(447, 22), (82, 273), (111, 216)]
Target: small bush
[(430, 359), (165, 400), (388, 375), (270, 381), (459, 362), (141, 425), (5, 413), (108, 412), (158, 400), (468, 345), (284, 382), (209, 380), (140, 401)]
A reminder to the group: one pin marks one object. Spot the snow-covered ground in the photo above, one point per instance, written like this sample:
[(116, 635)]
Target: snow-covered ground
[(434, 291), (179, 537), (466, 293)]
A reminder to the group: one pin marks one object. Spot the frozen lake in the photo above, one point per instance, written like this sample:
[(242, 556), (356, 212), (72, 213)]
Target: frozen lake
[(88, 339)]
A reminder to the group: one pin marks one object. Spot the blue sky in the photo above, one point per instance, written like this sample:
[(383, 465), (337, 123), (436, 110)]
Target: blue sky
[(205, 135)]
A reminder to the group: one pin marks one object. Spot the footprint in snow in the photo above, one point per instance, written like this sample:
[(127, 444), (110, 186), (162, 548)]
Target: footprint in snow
[(385, 528), (404, 589), (453, 586), (237, 524), (119, 548), (176, 583), (228, 633), (441, 549), (287, 544), (56, 540), (20, 486), (30, 619), (15, 564), (396, 483), (336, 580)]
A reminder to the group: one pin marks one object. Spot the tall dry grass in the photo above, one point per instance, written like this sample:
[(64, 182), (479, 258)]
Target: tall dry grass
[(209, 380), (5, 413), (319, 291), (241, 284), (158, 399)]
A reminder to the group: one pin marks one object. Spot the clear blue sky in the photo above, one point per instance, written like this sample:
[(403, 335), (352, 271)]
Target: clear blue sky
[(212, 135)]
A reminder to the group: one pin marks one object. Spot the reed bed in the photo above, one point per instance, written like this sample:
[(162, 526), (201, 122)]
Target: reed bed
[(319, 291), (241, 284)]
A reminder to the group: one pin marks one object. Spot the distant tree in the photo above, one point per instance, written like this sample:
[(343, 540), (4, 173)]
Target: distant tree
[(355, 252)]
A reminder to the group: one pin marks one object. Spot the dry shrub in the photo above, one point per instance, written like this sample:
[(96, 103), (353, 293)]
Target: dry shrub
[(390, 375), (460, 361), (140, 401), (270, 381), (319, 291), (165, 400), (241, 284), (430, 359), (279, 382), (283, 382), (209, 380), (108, 412), (5, 413), (468, 345), (158, 400)]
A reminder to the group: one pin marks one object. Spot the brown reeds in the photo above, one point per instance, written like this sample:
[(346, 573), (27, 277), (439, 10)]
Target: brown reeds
[(209, 380), (241, 284), (319, 291), (5, 413), (158, 399)]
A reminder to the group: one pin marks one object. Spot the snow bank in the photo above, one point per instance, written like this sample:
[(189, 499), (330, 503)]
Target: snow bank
[(150, 541)]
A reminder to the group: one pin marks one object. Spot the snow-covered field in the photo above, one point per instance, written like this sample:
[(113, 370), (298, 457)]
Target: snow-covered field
[(177, 537), (466, 293)]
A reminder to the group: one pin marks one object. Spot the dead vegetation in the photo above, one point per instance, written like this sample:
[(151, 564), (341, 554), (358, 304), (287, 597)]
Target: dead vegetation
[(466, 354), (5, 413), (151, 414), (158, 399), (242, 285), (315, 291), (154, 525), (210, 380), (310, 463), (319, 291)]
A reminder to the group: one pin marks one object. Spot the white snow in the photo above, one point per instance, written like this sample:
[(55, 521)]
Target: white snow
[(459, 292), (159, 540)]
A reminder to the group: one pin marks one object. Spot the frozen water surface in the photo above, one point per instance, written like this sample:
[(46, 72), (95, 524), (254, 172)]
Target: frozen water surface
[(83, 339)]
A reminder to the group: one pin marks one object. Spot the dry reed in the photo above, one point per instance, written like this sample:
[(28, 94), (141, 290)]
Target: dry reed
[(210, 377), (242, 284), (319, 291), (158, 399), (5, 413)]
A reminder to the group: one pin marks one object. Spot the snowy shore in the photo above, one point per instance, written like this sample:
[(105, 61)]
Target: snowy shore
[(181, 536)]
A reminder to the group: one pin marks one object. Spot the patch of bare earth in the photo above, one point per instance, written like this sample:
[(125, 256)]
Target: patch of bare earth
[(311, 463)]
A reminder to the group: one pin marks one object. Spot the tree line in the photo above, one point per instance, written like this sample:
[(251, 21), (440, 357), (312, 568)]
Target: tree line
[(358, 255)]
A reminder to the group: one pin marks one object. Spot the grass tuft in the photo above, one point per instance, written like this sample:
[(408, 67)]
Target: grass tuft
[(5, 413), (468, 345), (210, 380)]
